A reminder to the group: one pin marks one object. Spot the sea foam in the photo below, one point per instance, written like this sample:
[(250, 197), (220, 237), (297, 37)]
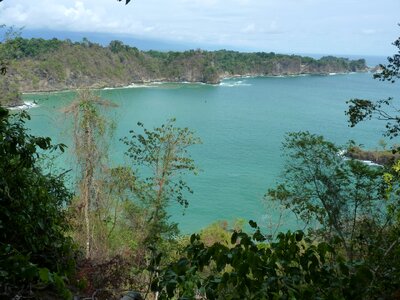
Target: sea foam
[(234, 83), (26, 105)]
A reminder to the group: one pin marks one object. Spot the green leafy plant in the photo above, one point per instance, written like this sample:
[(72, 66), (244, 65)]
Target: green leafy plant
[(340, 197), (292, 267), (163, 155), (91, 150), (32, 211)]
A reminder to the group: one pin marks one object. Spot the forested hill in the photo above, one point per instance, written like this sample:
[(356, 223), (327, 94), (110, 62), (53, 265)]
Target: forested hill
[(47, 65)]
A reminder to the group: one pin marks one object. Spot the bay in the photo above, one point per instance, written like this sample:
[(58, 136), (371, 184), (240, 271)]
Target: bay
[(242, 123)]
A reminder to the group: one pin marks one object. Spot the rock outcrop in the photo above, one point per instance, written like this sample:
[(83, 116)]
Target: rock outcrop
[(58, 65)]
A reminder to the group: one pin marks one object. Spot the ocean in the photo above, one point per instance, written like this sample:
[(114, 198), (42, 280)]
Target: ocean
[(242, 123)]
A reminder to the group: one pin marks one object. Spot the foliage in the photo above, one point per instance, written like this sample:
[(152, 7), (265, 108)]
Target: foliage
[(90, 147), (343, 196), (126, 1), (53, 64), (162, 157), (351, 203), (117, 46), (33, 242), (121, 212), (289, 268), (363, 109), (3, 62), (18, 47), (385, 110), (353, 257), (391, 71), (9, 89), (217, 232), (128, 219)]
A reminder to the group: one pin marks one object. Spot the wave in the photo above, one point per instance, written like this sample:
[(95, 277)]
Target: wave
[(154, 84), (26, 105), (133, 85), (341, 73), (293, 75), (234, 83), (371, 163)]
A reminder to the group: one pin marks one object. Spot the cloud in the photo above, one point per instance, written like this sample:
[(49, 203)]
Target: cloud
[(265, 29), (79, 16), (369, 31), (250, 28), (16, 15), (201, 3), (271, 25), (78, 12)]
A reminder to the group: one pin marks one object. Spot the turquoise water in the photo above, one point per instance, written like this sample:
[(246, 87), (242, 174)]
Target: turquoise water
[(241, 122)]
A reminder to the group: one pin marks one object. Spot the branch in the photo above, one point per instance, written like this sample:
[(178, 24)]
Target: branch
[(126, 1)]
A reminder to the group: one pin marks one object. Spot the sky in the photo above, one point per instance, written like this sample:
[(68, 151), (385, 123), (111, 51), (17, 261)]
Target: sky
[(354, 27)]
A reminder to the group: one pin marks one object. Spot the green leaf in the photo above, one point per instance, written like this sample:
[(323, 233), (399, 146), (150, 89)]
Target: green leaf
[(234, 237), (253, 224), (45, 275)]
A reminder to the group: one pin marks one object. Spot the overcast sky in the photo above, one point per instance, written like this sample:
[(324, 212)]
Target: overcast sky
[(291, 26)]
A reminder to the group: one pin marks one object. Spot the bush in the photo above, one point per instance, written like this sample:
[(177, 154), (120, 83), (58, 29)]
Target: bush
[(33, 243)]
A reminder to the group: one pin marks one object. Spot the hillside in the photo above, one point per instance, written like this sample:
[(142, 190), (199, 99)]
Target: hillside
[(49, 65)]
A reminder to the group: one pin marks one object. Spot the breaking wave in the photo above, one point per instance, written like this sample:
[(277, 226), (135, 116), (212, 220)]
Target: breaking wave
[(26, 105), (234, 83)]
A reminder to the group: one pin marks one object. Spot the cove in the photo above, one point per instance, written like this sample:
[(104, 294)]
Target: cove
[(242, 123)]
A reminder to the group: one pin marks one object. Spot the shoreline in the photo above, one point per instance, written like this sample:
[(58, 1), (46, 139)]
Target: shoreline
[(381, 158), (155, 83)]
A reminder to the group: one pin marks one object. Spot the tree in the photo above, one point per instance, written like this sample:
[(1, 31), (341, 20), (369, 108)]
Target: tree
[(345, 197), (161, 154), (347, 259), (9, 89), (90, 147), (34, 245), (116, 46), (385, 110), (3, 63), (363, 109)]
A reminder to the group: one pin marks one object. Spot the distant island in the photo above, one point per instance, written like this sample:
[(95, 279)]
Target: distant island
[(50, 65)]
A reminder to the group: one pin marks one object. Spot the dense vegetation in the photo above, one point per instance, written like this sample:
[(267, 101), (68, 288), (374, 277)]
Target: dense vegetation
[(114, 234), (349, 251), (46, 65), (34, 246)]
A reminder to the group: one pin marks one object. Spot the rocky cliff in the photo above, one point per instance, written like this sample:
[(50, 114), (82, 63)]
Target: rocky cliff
[(48, 65)]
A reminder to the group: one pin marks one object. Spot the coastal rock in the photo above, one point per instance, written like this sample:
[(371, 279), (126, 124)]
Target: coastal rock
[(379, 157), (61, 65)]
